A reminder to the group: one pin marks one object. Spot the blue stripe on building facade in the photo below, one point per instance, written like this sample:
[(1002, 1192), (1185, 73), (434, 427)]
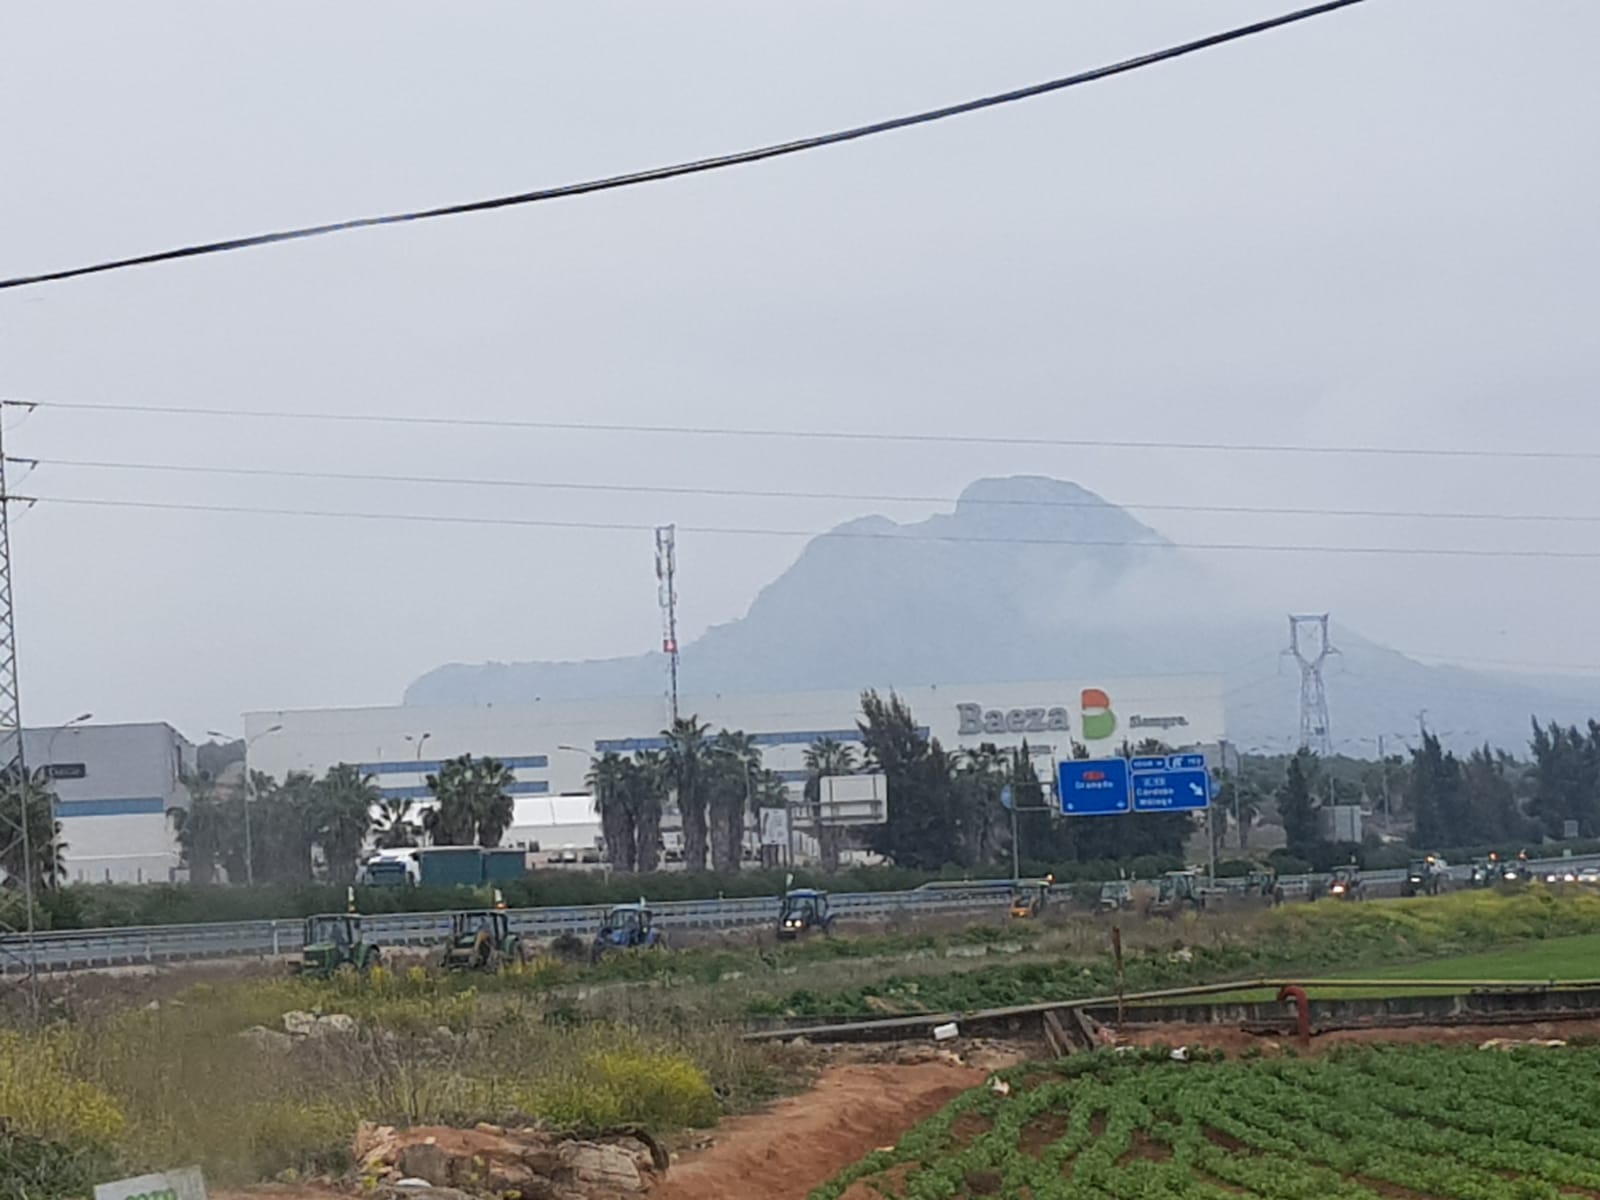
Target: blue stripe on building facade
[(532, 787), (131, 806), (431, 766)]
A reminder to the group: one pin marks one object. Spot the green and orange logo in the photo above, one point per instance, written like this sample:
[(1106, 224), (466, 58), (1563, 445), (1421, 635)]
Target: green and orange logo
[(1099, 722)]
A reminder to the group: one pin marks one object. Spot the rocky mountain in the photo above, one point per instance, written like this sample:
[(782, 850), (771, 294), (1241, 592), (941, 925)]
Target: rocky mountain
[(1032, 578)]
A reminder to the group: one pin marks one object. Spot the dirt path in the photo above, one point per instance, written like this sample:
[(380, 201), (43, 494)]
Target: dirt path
[(799, 1143)]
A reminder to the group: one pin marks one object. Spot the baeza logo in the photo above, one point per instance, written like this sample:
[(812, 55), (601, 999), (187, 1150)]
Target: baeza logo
[(1099, 722)]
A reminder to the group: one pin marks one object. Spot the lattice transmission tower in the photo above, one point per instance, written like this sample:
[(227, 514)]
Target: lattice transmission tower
[(667, 596), (17, 955), (1310, 646)]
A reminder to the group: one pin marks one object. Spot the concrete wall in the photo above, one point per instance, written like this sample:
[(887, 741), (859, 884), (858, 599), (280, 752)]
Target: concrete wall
[(114, 786)]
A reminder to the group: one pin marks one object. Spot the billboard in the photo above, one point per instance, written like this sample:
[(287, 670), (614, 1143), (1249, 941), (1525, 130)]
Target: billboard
[(853, 800), (773, 824)]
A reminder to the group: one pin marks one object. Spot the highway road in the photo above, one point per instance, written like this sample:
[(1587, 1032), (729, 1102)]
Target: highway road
[(157, 944)]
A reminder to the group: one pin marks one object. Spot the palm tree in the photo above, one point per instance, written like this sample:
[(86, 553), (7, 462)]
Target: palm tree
[(393, 823), (207, 828), (33, 803), (734, 760), (826, 756), (343, 804), (474, 802), (647, 791), (610, 779), (685, 759)]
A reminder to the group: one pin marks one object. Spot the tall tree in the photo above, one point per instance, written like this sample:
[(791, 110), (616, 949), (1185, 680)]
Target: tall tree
[(31, 802), (686, 760), (1566, 776), (826, 757), (283, 827), (1297, 807), (1434, 795), (733, 763), (981, 820), (474, 802), (209, 830), (342, 816), (611, 780), (647, 795), (1488, 797), (922, 831), (393, 826)]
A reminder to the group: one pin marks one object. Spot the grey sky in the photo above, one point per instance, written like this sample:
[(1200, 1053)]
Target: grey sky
[(1377, 227)]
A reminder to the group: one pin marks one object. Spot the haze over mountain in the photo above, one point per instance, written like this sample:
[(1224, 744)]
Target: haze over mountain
[(1036, 578)]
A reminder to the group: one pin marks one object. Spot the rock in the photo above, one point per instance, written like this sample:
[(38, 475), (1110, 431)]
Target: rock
[(425, 1160), (1000, 1087), (493, 1130), (265, 1039), (420, 1189), (299, 1024), (339, 1024), (600, 1166), (375, 1147)]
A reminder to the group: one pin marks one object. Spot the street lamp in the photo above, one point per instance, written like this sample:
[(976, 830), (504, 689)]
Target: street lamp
[(418, 741), (249, 848)]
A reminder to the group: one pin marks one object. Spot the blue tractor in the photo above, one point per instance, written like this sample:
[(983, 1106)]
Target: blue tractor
[(803, 910), (627, 927)]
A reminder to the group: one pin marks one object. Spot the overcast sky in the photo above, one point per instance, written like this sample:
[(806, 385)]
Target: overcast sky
[(1378, 228)]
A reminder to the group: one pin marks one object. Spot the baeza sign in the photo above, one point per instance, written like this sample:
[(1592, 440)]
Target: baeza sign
[(976, 719), (1097, 722)]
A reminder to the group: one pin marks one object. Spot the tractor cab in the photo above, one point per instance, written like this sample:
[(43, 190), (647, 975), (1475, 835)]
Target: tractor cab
[(1179, 889), (1346, 883), (1425, 876), (1116, 895), (1029, 897), (803, 910), (330, 941), (624, 927), (481, 940)]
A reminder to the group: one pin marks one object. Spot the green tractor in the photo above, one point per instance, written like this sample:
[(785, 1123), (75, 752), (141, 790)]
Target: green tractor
[(481, 940), (332, 942)]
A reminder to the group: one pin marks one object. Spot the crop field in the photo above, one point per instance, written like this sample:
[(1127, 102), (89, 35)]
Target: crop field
[(1359, 1124)]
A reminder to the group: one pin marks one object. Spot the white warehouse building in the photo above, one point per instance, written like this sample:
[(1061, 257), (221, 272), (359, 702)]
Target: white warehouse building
[(548, 745), (116, 788)]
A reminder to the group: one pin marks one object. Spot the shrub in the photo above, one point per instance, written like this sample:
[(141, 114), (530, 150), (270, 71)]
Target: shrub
[(40, 1098), (626, 1086)]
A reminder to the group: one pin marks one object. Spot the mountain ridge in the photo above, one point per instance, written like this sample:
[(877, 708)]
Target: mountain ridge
[(1028, 578)]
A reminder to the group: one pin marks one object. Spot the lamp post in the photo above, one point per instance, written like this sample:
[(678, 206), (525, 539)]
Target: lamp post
[(249, 789), (418, 740)]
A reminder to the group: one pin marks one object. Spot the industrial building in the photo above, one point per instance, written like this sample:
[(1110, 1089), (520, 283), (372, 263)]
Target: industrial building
[(548, 745), (115, 788)]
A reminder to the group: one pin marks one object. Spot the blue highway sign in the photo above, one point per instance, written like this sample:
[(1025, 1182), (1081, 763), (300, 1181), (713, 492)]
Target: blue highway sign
[(1093, 787), (1178, 783)]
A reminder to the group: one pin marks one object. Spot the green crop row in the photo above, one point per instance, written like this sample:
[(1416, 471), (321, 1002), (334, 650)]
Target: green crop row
[(1302, 938), (1357, 1124)]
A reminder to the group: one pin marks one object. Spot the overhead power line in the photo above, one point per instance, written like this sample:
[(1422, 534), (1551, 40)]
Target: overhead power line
[(696, 166), (787, 494), (827, 435), (902, 536)]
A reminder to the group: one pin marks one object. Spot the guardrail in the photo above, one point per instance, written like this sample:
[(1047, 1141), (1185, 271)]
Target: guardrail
[(155, 944)]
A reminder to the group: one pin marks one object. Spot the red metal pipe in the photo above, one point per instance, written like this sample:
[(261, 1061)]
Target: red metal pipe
[(1293, 991)]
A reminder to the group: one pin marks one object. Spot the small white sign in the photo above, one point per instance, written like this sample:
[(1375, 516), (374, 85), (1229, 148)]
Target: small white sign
[(184, 1184), (774, 827)]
